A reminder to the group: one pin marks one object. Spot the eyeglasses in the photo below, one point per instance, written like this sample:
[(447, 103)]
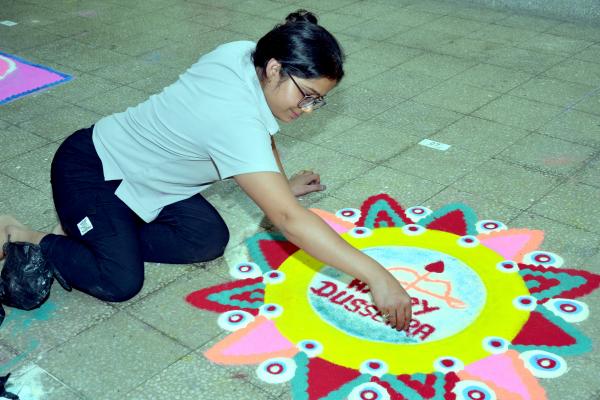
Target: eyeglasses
[(309, 102)]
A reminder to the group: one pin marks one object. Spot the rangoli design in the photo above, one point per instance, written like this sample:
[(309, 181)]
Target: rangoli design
[(19, 78), (492, 312)]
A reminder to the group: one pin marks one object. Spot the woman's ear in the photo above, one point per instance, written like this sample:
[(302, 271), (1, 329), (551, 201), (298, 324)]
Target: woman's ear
[(273, 70)]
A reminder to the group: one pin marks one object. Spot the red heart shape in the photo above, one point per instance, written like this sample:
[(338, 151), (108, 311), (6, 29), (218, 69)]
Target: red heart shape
[(437, 267)]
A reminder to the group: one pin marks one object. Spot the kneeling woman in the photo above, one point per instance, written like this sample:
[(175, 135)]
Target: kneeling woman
[(127, 190)]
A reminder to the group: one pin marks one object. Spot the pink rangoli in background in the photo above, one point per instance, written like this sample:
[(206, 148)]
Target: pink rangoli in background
[(492, 313), (19, 78)]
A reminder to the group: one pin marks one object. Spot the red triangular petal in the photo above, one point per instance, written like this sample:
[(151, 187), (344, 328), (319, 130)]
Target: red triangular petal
[(318, 385), (381, 216), (200, 299), (276, 251), (453, 222), (553, 335), (592, 280)]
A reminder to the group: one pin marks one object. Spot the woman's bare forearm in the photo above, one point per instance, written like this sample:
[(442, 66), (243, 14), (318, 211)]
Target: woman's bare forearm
[(309, 232)]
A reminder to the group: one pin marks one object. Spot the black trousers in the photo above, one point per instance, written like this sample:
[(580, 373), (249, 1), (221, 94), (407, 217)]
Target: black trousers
[(107, 261)]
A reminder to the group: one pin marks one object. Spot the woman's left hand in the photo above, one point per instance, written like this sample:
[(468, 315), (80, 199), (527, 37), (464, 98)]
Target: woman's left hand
[(305, 182)]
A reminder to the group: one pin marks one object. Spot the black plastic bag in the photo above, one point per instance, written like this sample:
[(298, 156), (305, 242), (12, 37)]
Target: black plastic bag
[(3, 392), (26, 278)]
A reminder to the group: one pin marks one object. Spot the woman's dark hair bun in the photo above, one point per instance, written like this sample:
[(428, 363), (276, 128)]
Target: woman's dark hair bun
[(302, 16), (303, 48)]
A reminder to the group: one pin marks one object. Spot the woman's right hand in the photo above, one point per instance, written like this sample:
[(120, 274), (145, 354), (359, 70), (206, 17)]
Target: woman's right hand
[(392, 300)]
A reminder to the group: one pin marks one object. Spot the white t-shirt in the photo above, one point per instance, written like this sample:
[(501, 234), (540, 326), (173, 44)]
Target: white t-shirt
[(213, 123)]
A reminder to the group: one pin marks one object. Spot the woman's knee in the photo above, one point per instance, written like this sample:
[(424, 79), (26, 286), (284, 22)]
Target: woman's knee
[(212, 243), (118, 288)]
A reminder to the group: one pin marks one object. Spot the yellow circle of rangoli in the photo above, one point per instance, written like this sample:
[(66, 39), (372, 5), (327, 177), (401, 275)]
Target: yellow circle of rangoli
[(454, 308)]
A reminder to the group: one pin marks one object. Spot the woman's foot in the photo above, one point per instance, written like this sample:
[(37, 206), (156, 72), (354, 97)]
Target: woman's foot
[(6, 221), (17, 232)]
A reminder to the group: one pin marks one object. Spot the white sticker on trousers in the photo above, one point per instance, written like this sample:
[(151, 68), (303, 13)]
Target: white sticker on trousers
[(434, 145), (85, 225)]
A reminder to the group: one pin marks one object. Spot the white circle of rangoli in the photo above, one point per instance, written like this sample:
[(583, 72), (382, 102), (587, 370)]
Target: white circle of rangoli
[(346, 303)]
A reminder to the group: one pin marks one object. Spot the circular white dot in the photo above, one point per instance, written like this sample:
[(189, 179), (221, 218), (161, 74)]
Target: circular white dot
[(473, 390), (270, 310), (526, 303), (487, 226), (276, 370), (413, 230), (495, 344), (348, 214), (417, 213), (543, 259), (371, 389), (360, 232), (508, 266), (543, 364), (568, 309), (273, 277), (245, 270), (311, 348), (468, 241), (234, 320), (448, 364), (374, 367)]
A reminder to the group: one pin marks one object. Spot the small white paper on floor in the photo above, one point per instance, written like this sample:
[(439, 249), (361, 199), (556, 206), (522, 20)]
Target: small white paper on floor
[(434, 145), (8, 23)]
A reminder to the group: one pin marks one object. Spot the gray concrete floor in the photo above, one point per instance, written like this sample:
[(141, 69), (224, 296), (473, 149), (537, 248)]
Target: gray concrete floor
[(517, 97)]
